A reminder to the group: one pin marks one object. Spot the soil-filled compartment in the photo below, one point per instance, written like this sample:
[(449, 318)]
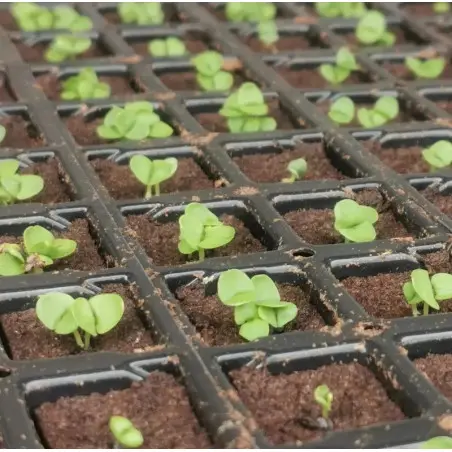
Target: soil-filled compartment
[(6, 93), (441, 199), (399, 69), (111, 15), (21, 133)]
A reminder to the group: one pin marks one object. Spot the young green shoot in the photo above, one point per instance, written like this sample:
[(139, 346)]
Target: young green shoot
[(201, 230), (126, 435), (246, 110), (256, 302), (439, 442), (250, 11), (355, 222), (85, 85), (209, 73), (145, 13), (340, 9), (66, 47), (2, 133), (429, 69), (427, 291), (342, 110), (324, 397), (339, 72), (438, 155), (135, 121), (267, 32), (151, 173), (372, 30), (84, 318), (385, 110), (17, 187), (40, 249), (67, 18), (297, 169), (167, 47), (441, 7)]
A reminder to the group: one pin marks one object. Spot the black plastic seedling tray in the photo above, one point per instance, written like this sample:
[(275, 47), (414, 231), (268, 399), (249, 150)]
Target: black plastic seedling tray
[(352, 330)]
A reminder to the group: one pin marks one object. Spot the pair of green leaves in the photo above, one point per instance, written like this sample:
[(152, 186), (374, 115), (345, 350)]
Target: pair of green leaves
[(267, 32), (438, 155), (297, 169), (345, 64), (167, 47), (40, 249), (355, 222), (201, 230), (66, 47), (430, 69), (125, 433), (209, 73), (440, 442), (16, 187), (62, 314), (324, 397), (340, 9), (372, 30), (85, 85), (426, 290), (246, 110), (256, 302), (136, 121), (250, 11), (152, 173), (146, 13)]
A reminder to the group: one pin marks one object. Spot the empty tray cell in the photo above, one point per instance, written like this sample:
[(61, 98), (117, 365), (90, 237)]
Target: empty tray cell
[(218, 10), (21, 133), (442, 199), (442, 97), (111, 15)]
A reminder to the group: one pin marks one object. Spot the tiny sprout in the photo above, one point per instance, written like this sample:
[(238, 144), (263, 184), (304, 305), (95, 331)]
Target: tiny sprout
[(324, 397), (267, 32), (85, 85), (256, 302), (440, 442), (246, 110), (342, 110), (16, 187), (62, 314), (67, 18), (40, 249), (426, 290), (345, 64), (438, 155), (431, 68), (125, 433), (167, 47), (339, 9), (66, 47), (152, 173), (297, 169), (371, 30), (146, 13), (209, 73), (385, 109), (250, 12), (355, 222), (201, 230), (441, 7)]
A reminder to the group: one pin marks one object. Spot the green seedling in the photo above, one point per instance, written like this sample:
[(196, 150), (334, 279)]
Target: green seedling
[(125, 433), (339, 9), (152, 173), (324, 397), (209, 73), (250, 12), (146, 13), (385, 109), (67, 18), (426, 290), (2, 133), (438, 155), (135, 121), (355, 222), (342, 110), (202, 230), (85, 85), (16, 187), (431, 68), (440, 442), (66, 47), (62, 314), (267, 32), (345, 64), (441, 7), (297, 169), (167, 47), (256, 302), (372, 30), (40, 249), (246, 110)]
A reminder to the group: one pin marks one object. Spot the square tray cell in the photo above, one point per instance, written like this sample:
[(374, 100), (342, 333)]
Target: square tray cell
[(21, 133), (442, 199), (442, 97), (111, 15)]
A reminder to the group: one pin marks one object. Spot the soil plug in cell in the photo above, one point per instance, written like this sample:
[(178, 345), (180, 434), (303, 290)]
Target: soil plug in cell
[(18, 133)]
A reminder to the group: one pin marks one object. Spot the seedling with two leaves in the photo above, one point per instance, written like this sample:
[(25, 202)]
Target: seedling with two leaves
[(438, 155), (250, 11), (66, 47), (427, 291), (430, 69), (202, 230), (324, 397), (372, 30), (63, 314), (145, 13), (297, 169), (246, 110), (135, 121), (40, 249), (85, 85), (267, 32), (339, 72), (340, 9), (256, 302), (167, 47), (126, 435), (209, 73)]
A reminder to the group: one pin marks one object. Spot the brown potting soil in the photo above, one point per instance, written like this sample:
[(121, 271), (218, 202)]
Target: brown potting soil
[(382, 295), (443, 202), (419, 9), (158, 407), (6, 94), (215, 322), (28, 338), (86, 256), (7, 21), (284, 406), (122, 184), (445, 106), (186, 81), (220, 13), (404, 160), (160, 240), (170, 16), (193, 43), (316, 226), (285, 43), (272, 167), (402, 72), (437, 369), (20, 133), (399, 33)]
